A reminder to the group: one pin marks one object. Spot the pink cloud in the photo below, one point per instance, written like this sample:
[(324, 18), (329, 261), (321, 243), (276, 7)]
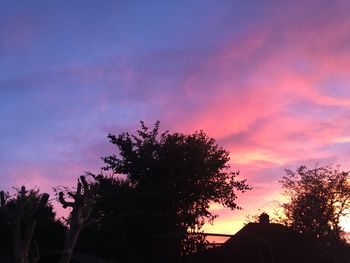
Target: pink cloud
[(261, 94), (259, 79)]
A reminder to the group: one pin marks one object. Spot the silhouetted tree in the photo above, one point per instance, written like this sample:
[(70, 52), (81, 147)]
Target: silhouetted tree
[(82, 204), (318, 198), (172, 179), (116, 230), (19, 215), (49, 235)]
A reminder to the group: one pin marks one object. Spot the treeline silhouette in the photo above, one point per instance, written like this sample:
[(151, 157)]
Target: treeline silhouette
[(156, 190)]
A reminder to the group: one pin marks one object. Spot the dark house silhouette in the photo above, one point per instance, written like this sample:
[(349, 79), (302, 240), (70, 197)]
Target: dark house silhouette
[(265, 243)]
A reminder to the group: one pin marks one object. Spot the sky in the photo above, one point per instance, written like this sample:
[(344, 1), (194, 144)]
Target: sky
[(269, 80)]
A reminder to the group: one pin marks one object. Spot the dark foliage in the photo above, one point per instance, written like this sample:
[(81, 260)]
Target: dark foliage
[(81, 202), (318, 198), (170, 181), (49, 233), (184, 173), (116, 230)]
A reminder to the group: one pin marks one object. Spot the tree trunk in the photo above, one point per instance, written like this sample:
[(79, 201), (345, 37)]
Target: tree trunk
[(19, 253), (21, 245), (81, 198), (71, 240)]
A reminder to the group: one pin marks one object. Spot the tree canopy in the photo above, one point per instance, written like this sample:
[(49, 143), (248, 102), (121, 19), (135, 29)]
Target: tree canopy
[(318, 198), (183, 172), (170, 180), (160, 187), (47, 233)]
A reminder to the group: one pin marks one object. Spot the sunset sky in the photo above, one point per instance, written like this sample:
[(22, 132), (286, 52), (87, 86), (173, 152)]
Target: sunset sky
[(270, 80)]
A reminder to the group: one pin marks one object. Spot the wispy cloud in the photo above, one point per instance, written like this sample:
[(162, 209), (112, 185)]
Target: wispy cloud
[(268, 80)]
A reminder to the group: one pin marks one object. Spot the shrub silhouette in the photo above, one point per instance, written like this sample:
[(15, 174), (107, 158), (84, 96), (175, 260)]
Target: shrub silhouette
[(28, 220)]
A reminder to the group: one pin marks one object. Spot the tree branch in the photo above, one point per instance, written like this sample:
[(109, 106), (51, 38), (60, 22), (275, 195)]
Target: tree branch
[(84, 182), (63, 202), (3, 205)]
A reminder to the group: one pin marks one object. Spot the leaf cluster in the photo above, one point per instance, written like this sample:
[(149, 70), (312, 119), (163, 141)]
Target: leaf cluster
[(181, 174), (318, 198)]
